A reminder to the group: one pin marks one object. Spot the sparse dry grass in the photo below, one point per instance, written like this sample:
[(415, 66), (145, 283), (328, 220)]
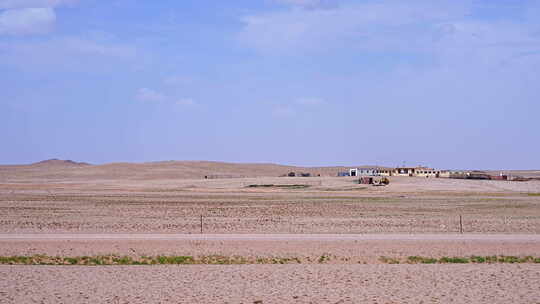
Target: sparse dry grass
[(472, 259), (108, 260)]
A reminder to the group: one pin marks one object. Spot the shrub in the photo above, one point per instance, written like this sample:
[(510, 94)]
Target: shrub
[(454, 260)]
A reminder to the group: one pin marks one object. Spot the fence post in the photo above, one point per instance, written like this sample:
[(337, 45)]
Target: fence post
[(460, 224)]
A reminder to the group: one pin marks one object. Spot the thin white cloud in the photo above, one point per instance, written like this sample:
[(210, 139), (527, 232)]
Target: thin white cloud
[(311, 4), (19, 4), (185, 102), (67, 53), (299, 2), (150, 95), (382, 25), (283, 111), (296, 107), (91, 47), (25, 17), (27, 21), (309, 101), (445, 32), (177, 80)]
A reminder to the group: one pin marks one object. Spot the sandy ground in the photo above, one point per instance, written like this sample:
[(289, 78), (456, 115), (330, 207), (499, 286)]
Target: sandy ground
[(329, 205), (272, 284), (169, 197)]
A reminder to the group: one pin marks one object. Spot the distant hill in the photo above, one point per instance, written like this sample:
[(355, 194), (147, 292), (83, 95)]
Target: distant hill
[(59, 162), (68, 170)]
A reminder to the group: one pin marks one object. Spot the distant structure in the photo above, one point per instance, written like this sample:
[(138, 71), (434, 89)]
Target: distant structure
[(223, 176), (404, 171), (400, 171), (299, 174), (370, 171), (421, 171)]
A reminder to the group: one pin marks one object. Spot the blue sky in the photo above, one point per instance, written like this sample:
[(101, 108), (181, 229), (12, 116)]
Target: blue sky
[(451, 84)]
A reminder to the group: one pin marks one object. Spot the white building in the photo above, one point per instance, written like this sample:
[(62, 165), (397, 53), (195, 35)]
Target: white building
[(364, 172)]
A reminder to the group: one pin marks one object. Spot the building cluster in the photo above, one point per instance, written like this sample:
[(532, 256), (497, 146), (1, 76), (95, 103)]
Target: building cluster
[(421, 172), (401, 171)]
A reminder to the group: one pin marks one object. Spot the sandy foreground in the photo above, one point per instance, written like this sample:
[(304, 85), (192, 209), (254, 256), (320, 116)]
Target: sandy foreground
[(351, 273), (272, 284)]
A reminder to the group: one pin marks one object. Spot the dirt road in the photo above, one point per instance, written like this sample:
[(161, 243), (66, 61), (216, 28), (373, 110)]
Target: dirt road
[(277, 237)]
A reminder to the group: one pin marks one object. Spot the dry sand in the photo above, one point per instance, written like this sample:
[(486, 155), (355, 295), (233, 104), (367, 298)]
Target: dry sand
[(329, 205), (272, 284)]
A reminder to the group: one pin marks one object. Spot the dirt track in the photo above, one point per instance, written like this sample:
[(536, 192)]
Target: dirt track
[(278, 237)]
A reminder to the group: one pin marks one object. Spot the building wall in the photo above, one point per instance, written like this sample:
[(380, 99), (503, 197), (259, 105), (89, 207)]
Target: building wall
[(427, 172), (386, 172), (445, 174), (404, 171), (417, 171), (368, 172)]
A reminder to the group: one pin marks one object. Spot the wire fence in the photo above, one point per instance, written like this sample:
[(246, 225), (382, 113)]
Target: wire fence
[(463, 223), (371, 224)]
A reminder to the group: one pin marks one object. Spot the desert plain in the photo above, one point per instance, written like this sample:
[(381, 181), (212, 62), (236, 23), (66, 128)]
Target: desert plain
[(248, 235)]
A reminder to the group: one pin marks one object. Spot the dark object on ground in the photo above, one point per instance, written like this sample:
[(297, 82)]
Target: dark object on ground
[(458, 175), (366, 180), (521, 179), (381, 182), (296, 186), (478, 175)]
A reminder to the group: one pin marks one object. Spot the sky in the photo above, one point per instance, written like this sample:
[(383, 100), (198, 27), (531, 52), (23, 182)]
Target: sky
[(451, 84)]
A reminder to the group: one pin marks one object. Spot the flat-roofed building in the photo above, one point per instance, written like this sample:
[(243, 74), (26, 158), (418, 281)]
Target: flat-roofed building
[(370, 171), (404, 171), (426, 172)]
